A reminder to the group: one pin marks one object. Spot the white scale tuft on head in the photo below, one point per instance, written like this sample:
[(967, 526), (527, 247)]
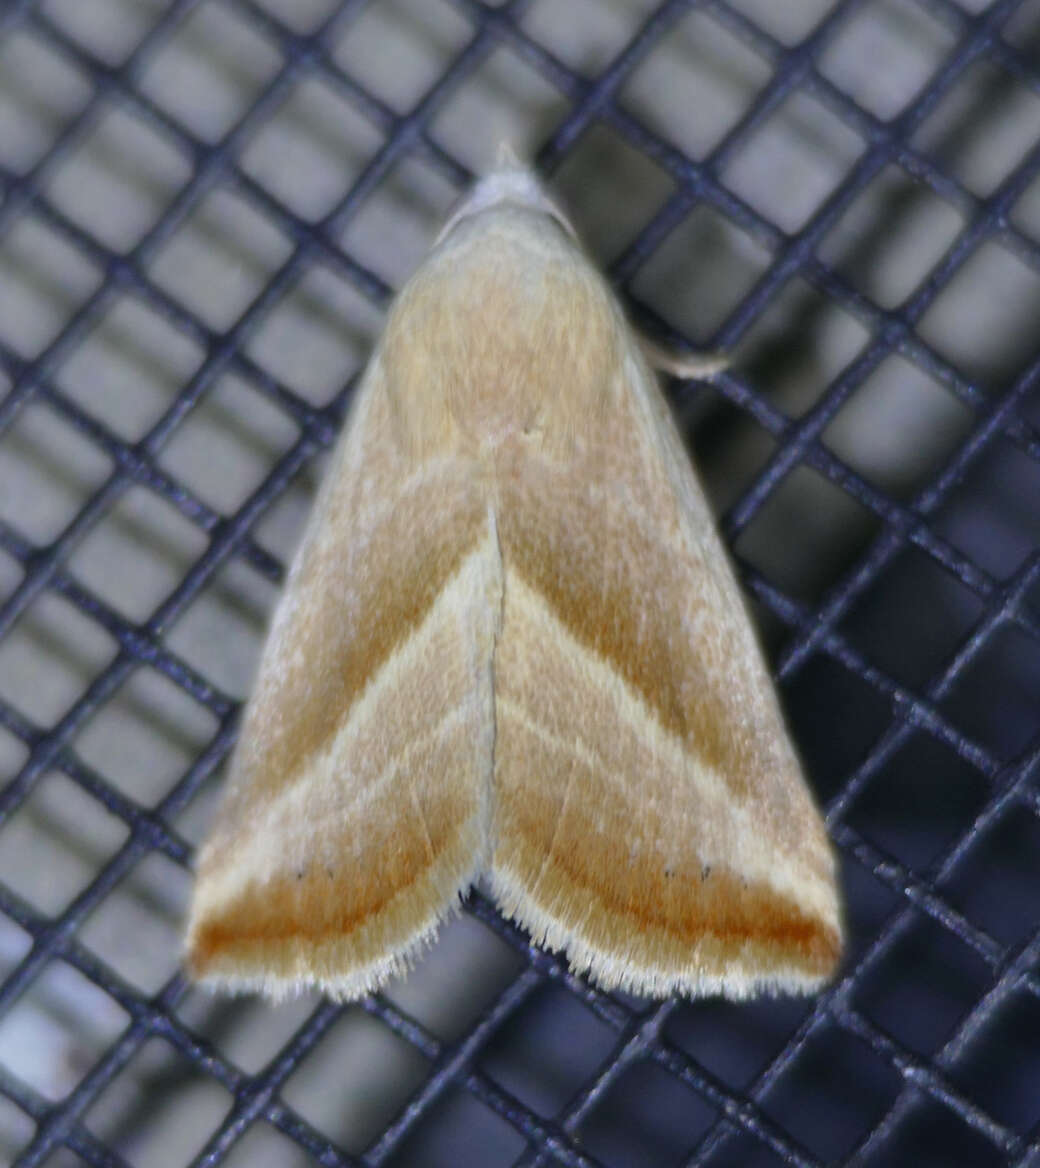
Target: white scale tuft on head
[(510, 183)]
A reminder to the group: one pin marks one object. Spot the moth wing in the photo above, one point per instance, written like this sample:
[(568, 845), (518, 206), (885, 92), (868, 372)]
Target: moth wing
[(650, 814), (357, 804)]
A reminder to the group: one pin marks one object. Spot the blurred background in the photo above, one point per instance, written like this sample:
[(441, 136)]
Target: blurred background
[(205, 208)]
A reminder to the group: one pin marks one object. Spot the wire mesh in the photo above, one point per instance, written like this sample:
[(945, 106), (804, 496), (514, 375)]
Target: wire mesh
[(205, 208)]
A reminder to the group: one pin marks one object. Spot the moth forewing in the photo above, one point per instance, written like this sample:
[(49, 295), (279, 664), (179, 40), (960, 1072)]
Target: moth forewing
[(512, 645)]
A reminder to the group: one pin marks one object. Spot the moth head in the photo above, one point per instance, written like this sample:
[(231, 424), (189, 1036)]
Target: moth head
[(509, 183)]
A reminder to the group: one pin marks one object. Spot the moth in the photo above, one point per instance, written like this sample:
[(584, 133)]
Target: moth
[(511, 647)]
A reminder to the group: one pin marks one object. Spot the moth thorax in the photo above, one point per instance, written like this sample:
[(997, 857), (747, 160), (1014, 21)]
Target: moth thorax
[(482, 353)]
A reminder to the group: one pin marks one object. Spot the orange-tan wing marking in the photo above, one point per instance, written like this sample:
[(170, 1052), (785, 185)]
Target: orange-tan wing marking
[(650, 815), (357, 807)]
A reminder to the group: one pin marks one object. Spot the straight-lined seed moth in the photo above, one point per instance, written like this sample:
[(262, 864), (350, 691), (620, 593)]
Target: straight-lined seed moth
[(511, 645)]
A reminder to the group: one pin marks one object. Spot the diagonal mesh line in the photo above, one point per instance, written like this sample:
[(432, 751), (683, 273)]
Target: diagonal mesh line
[(798, 444), (38, 579), (699, 182), (1027, 382), (799, 256), (920, 892), (149, 1019), (228, 349), (640, 1037), (913, 708), (841, 474), (74, 1136), (160, 836), (963, 569)]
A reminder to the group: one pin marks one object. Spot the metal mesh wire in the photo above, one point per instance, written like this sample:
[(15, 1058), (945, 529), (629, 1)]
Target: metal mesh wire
[(843, 194)]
